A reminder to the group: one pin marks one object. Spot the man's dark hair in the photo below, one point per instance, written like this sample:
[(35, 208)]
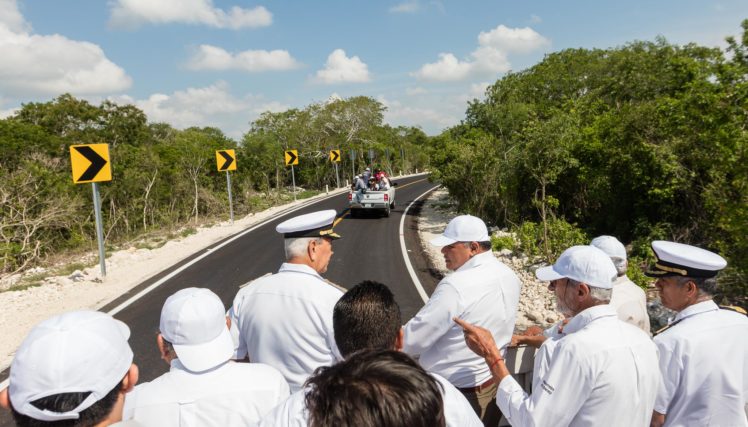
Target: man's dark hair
[(64, 402), (374, 388), (366, 317)]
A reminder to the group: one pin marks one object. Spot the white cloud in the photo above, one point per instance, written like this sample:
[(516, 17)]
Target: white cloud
[(341, 69), (210, 57), (133, 13), (535, 19), (50, 65), (427, 118), (213, 105), (412, 91), (411, 6), (478, 90), (490, 57), (11, 17), (512, 40), (447, 68)]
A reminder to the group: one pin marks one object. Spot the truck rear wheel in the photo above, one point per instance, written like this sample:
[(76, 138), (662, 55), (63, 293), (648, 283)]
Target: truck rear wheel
[(387, 211)]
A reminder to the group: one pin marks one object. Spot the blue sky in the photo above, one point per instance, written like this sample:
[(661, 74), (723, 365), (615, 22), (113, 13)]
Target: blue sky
[(223, 62)]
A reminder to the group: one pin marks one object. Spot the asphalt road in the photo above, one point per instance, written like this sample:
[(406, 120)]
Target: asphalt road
[(370, 249)]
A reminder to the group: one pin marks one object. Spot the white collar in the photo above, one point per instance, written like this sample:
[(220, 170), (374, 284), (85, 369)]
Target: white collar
[(694, 309), (588, 316), (476, 260), (177, 366), (298, 268)]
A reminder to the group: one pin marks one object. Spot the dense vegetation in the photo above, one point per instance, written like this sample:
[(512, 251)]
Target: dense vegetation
[(643, 141), (163, 177)]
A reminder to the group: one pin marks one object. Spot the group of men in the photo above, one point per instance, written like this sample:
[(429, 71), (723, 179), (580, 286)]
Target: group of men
[(323, 356)]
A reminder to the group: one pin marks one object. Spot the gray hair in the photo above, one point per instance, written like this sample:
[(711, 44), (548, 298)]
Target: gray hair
[(707, 286), (621, 264), (600, 295), (296, 247)]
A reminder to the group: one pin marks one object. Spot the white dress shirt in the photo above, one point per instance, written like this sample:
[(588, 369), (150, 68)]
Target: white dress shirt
[(704, 363), (630, 302), (232, 394), (293, 412), (483, 291), (285, 320), (603, 371)]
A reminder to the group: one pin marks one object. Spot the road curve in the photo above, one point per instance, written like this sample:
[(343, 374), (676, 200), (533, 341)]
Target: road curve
[(370, 249)]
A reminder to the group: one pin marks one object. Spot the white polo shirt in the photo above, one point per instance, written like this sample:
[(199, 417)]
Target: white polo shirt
[(630, 302), (704, 363), (232, 394), (293, 412), (483, 291), (602, 371), (285, 321)]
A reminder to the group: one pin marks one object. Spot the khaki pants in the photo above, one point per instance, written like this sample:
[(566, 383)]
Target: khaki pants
[(484, 404)]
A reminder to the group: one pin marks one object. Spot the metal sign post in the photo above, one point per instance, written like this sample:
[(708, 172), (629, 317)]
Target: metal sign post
[(293, 180), (337, 177), (353, 163), (90, 163), (231, 203), (99, 228), (226, 161)]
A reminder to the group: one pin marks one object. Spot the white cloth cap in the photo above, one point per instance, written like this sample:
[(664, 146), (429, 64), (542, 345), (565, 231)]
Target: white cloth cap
[(75, 352), (586, 264), (193, 320), (611, 246), (684, 260), (315, 224), (463, 228)]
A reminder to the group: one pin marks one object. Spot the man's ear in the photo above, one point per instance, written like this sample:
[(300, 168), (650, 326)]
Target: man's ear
[(162, 350), (131, 378), (4, 400), (583, 290), (692, 289), (311, 249), (400, 340)]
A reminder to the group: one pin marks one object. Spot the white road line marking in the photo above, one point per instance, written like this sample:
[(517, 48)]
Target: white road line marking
[(408, 265), (158, 283)]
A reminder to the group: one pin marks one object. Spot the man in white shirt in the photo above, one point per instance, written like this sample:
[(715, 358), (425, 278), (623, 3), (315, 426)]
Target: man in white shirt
[(628, 299), (285, 319), (602, 371), (480, 290), (367, 317), (73, 368), (704, 351), (204, 386)]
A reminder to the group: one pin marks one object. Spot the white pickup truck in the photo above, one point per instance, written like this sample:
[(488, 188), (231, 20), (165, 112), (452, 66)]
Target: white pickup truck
[(383, 201)]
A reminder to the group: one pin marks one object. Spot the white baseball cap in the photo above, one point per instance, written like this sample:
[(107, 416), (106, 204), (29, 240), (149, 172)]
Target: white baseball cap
[(75, 352), (610, 245), (193, 320), (463, 228), (586, 264)]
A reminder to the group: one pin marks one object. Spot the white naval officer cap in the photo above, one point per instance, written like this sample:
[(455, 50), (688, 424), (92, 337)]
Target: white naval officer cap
[(586, 264), (193, 320), (315, 224), (75, 352), (463, 228), (678, 259)]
